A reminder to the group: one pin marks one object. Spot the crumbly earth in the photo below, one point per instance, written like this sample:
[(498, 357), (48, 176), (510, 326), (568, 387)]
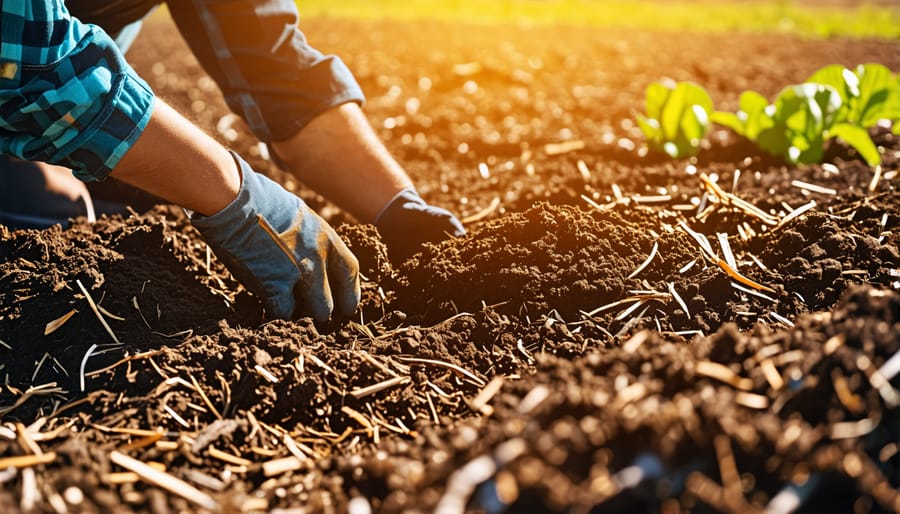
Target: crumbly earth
[(543, 362)]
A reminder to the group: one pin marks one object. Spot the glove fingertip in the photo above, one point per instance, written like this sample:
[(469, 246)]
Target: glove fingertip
[(315, 302), (459, 229), (281, 306), (322, 310), (349, 300)]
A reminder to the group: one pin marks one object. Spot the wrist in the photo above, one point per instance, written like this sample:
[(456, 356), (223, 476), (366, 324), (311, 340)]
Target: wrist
[(407, 194)]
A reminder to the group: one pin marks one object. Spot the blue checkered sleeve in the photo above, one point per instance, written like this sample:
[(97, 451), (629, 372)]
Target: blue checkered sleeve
[(67, 96)]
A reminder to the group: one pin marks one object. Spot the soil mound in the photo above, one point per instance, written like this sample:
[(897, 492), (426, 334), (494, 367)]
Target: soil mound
[(547, 258)]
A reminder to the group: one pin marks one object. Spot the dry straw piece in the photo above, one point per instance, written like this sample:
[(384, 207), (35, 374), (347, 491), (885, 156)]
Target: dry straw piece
[(166, 481), (54, 325), (724, 374), (97, 312), (27, 461)]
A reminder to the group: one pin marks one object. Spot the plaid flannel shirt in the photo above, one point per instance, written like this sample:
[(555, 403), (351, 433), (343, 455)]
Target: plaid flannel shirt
[(67, 96)]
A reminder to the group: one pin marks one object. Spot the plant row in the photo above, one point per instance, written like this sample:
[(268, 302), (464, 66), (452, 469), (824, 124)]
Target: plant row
[(835, 102)]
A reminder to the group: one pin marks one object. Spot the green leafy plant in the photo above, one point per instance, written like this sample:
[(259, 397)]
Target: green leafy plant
[(754, 116), (804, 118), (834, 103), (677, 117), (870, 92)]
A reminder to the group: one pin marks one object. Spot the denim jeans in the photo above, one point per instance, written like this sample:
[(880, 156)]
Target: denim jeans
[(253, 49)]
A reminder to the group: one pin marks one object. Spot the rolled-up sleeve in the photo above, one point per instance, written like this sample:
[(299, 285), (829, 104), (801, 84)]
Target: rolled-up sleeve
[(67, 96)]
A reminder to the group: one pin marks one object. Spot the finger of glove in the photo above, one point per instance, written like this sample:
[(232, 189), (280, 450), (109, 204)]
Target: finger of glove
[(343, 277), (313, 290), (455, 227)]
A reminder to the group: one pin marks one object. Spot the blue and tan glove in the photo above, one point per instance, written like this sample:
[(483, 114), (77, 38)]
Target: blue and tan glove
[(282, 251), (407, 222)]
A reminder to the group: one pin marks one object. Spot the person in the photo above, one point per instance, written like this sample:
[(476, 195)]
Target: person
[(70, 101)]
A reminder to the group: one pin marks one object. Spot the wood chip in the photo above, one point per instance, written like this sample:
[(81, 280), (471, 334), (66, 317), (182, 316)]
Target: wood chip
[(630, 394), (873, 185), (27, 461), (263, 372), (724, 374), (564, 147), (635, 342), (771, 373), (227, 457), (891, 367), (299, 450), (750, 400), (319, 362), (813, 187), (142, 442), (850, 401), (362, 392), (166, 481), (481, 400), (584, 170), (255, 505), (280, 466), (358, 417), (852, 429), (651, 198)]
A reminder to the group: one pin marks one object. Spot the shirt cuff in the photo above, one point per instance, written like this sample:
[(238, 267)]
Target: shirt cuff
[(83, 110)]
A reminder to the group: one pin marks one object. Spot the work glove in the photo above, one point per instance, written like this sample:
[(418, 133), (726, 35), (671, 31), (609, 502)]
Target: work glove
[(282, 251), (407, 222)]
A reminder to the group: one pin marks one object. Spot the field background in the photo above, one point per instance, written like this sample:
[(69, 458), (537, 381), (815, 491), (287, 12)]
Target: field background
[(820, 18)]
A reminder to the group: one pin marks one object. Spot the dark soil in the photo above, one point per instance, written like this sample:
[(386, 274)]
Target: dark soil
[(529, 366)]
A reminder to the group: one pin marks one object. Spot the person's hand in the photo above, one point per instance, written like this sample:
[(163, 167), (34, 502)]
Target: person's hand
[(282, 251), (407, 222)]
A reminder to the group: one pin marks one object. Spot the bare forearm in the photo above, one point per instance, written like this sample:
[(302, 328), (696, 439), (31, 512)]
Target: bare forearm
[(339, 156), (176, 161)]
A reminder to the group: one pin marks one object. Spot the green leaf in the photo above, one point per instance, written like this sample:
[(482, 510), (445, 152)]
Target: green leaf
[(650, 128), (879, 95), (729, 120), (812, 151), (672, 113), (677, 117), (844, 81), (859, 139), (656, 96), (753, 103), (774, 140), (694, 124), (809, 108)]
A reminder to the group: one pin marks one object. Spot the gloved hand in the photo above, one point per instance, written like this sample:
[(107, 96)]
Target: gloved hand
[(282, 251), (407, 222)]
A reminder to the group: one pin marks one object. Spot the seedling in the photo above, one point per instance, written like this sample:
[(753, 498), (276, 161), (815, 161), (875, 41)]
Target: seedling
[(835, 102), (869, 93), (677, 117), (799, 123)]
